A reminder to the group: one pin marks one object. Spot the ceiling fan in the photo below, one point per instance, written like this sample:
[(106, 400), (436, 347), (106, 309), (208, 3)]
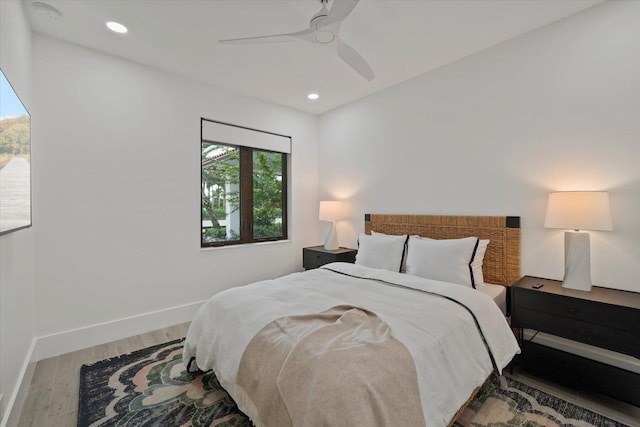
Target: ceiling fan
[(323, 30)]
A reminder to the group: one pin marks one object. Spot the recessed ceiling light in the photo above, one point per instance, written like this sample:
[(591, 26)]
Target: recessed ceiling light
[(313, 96), (116, 27)]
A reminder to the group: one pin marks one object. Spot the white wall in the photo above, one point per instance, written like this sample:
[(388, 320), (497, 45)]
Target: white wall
[(118, 203), (492, 134), (16, 249)]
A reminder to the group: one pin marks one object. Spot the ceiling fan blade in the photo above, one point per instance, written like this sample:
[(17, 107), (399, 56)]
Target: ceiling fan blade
[(275, 38), (353, 59), (339, 11)]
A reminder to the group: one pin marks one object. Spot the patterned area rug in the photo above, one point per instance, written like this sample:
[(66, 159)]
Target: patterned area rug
[(151, 387)]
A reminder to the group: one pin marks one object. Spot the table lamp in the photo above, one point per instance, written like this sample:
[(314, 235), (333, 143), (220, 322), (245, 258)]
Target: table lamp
[(578, 210), (331, 211)]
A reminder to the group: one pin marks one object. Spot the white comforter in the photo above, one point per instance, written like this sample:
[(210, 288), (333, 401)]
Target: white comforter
[(450, 356)]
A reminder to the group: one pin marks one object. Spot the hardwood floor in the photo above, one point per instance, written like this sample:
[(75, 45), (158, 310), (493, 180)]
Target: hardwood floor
[(52, 400)]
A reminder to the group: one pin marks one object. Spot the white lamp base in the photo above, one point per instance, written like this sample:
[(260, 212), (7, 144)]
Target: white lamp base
[(577, 261), (331, 239)]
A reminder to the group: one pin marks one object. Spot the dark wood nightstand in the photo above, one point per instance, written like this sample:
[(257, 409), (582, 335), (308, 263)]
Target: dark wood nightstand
[(316, 256), (604, 318)]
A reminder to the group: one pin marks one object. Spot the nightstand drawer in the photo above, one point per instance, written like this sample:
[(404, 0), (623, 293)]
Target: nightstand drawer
[(317, 256), (313, 259), (577, 309)]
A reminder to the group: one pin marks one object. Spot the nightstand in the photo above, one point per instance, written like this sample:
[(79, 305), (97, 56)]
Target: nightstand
[(603, 318), (316, 256)]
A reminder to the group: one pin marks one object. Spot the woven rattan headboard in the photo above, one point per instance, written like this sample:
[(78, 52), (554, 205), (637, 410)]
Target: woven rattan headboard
[(502, 259)]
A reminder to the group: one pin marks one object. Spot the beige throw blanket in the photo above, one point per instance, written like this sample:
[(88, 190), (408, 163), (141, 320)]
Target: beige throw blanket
[(341, 367)]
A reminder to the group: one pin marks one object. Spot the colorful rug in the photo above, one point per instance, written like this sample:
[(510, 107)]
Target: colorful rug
[(151, 387), (516, 404)]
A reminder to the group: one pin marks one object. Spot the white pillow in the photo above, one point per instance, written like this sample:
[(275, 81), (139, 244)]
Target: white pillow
[(476, 264), (447, 260), (381, 251)]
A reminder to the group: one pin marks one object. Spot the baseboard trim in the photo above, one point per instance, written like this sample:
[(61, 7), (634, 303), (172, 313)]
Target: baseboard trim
[(16, 401), (101, 333)]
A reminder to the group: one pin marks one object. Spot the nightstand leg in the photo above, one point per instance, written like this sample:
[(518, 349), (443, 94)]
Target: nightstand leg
[(520, 339)]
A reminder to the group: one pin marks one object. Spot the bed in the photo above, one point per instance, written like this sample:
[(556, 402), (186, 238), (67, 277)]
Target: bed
[(360, 344)]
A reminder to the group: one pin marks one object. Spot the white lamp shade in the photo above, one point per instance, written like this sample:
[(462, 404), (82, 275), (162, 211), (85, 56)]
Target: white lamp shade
[(330, 211), (578, 210)]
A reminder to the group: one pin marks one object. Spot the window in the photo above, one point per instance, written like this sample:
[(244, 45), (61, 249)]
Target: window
[(243, 185)]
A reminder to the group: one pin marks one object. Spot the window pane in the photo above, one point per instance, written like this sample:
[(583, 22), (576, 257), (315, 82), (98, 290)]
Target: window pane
[(243, 187), (267, 194), (220, 193)]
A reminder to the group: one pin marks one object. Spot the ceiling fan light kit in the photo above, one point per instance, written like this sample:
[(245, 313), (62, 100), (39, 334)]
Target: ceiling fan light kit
[(324, 28), (324, 37)]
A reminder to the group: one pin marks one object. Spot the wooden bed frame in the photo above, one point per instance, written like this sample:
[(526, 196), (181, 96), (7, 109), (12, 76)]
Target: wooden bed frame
[(501, 264)]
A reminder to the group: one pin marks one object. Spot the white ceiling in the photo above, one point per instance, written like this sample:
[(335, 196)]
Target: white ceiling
[(399, 38)]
